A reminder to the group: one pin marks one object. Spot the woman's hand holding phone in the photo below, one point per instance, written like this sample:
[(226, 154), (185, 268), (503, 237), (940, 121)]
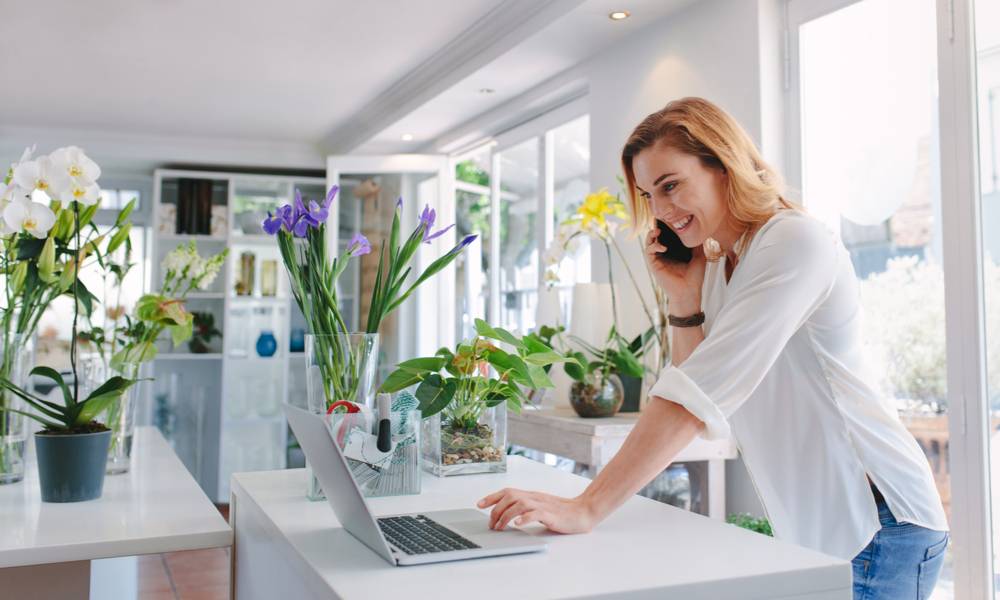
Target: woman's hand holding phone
[(680, 280)]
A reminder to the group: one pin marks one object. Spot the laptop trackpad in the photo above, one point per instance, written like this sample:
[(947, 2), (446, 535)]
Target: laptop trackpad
[(476, 527)]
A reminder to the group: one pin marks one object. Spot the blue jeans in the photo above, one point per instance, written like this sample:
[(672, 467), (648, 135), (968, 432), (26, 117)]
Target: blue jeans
[(902, 561)]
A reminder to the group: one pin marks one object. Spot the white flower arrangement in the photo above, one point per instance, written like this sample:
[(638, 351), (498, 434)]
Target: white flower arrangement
[(64, 176)]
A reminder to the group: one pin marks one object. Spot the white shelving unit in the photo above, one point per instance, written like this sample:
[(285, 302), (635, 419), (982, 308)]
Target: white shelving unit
[(227, 405)]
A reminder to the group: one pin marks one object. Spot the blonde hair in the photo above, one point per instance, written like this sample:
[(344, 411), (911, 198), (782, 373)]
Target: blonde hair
[(697, 127)]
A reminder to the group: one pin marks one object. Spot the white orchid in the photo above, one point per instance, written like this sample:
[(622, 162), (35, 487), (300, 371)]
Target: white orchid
[(74, 164), (38, 175), (31, 217), (79, 190)]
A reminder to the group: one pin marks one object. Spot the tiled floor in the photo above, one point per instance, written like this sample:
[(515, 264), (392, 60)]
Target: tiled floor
[(189, 575)]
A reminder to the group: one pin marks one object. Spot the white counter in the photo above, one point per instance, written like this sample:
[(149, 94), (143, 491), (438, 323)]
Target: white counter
[(156, 507), (286, 546)]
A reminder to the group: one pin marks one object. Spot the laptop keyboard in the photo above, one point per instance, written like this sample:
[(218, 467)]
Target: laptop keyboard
[(420, 535)]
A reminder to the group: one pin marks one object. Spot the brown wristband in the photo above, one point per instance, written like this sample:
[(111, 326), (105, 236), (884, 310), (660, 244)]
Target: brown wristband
[(691, 321)]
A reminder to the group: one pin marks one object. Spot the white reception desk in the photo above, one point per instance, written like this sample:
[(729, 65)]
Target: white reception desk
[(288, 547)]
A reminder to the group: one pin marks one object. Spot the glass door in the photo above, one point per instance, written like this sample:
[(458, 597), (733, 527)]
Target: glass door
[(868, 148), (987, 36)]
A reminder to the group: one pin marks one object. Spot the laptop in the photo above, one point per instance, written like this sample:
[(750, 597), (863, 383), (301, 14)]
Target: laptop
[(406, 539)]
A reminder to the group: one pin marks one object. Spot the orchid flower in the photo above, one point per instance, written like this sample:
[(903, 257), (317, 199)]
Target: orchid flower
[(39, 175), (81, 191), (72, 163), (32, 217)]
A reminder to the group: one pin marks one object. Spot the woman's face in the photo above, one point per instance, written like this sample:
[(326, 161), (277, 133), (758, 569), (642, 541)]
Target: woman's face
[(683, 193)]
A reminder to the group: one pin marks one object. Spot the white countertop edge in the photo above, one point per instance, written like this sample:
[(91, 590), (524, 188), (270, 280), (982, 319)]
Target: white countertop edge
[(91, 551)]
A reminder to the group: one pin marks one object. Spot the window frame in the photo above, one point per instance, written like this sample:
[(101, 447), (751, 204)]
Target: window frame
[(965, 324)]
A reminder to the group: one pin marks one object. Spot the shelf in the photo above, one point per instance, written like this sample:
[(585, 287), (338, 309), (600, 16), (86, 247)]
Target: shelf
[(184, 237), (254, 358), (206, 295), (252, 239), (184, 356), (259, 299)]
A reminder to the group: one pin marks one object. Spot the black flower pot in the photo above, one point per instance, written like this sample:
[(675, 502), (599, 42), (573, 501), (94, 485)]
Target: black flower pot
[(633, 390), (71, 466)]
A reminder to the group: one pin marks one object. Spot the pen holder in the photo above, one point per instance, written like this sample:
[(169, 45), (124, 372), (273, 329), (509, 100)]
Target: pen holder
[(392, 473)]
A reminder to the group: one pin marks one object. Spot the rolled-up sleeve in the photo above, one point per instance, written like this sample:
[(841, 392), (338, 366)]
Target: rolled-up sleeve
[(776, 287)]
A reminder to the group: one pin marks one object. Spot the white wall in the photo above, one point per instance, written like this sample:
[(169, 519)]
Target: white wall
[(728, 51)]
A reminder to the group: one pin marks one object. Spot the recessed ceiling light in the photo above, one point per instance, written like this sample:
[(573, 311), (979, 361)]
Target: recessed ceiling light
[(407, 137), (486, 90), (619, 15)]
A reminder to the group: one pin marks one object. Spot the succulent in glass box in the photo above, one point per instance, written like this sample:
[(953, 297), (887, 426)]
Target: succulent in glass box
[(464, 396)]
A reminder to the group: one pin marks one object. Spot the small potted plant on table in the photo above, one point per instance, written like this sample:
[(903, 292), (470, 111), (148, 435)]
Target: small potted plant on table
[(597, 389), (464, 406)]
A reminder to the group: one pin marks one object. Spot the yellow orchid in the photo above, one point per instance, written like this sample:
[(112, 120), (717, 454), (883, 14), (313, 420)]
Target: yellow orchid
[(597, 207)]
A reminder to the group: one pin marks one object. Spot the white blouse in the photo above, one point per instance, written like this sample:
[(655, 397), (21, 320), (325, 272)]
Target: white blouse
[(782, 369)]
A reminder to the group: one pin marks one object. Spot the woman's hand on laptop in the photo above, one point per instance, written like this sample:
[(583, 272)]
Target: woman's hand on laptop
[(562, 515)]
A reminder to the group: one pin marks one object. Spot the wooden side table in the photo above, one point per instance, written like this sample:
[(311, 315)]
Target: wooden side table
[(594, 442)]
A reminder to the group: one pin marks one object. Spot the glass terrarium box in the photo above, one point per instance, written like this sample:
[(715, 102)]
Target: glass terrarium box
[(461, 444)]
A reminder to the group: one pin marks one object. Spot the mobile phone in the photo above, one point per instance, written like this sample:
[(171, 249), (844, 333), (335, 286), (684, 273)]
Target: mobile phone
[(676, 250)]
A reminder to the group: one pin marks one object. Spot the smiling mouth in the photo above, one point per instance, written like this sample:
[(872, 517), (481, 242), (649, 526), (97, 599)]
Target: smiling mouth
[(682, 224)]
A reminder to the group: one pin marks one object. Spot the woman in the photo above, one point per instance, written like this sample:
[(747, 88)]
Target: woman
[(767, 348)]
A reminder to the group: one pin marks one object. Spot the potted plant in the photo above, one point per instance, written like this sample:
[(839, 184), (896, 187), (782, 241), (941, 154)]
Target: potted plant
[(51, 249), (203, 332), (601, 216), (464, 405), (47, 206), (122, 348), (597, 390)]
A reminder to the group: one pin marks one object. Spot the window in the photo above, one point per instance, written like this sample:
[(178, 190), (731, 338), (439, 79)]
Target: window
[(874, 178), (542, 180), (519, 235), (472, 207)]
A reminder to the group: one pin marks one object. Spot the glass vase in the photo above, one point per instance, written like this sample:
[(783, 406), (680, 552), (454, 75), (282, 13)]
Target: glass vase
[(16, 358), (339, 366), (449, 448), (601, 400), (119, 416)]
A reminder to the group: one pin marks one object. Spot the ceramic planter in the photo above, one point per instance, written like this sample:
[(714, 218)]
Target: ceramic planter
[(71, 466)]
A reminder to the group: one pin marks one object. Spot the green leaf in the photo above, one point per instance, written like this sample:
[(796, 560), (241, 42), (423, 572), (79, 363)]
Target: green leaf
[(534, 344), (29, 248), (181, 333), (544, 358), (85, 297), (432, 364), (496, 333), (47, 261), (627, 364), (516, 368), (125, 213), (539, 379), (398, 380), (434, 394), (119, 238), (55, 376), (101, 398), (576, 367)]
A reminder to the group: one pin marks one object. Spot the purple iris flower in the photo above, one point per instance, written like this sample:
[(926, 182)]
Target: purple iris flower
[(359, 245), (465, 242), (272, 224), (399, 203), (316, 214), (427, 219)]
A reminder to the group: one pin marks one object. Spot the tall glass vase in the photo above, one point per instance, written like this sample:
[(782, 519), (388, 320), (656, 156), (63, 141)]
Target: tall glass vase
[(16, 358), (120, 414), (339, 366)]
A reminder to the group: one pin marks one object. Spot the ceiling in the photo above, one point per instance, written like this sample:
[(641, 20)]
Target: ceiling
[(346, 76)]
